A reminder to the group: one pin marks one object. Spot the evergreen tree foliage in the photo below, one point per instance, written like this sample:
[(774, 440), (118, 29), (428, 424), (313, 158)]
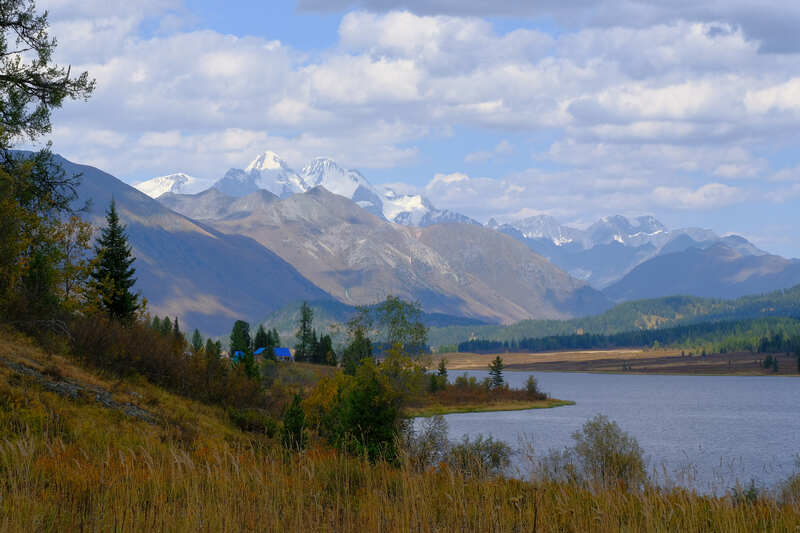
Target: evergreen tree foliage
[(496, 373), (197, 341), (36, 196), (241, 342), (442, 370), (176, 330), (293, 434), (324, 354), (166, 326), (276, 339), (262, 339), (240, 338), (303, 349), (360, 348), (112, 276), (368, 415)]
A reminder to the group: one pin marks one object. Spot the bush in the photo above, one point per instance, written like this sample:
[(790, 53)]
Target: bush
[(293, 435), (428, 447), (479, 458), (126, 350), (253, 421), (532, 389), (365, 419), (603, 456)]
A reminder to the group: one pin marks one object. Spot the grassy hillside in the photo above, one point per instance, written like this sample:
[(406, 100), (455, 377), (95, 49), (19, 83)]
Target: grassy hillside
[(630, 316), (69, 462)]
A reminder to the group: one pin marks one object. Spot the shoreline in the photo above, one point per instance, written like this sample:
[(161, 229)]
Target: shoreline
[(433, 410), (629, 361)]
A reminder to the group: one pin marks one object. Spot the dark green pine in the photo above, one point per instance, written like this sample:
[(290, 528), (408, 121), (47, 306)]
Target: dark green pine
[(113, 273)]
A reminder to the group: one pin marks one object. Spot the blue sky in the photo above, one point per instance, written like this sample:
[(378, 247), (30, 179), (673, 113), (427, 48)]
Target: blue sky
[(576, 109)]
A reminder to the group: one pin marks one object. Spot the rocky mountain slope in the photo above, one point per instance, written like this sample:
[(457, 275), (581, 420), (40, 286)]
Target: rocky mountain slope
[(359, 258)]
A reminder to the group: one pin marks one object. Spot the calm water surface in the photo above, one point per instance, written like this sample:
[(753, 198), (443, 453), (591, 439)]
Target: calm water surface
[(705, 432)]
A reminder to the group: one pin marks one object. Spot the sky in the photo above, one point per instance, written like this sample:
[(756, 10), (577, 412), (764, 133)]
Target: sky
[(688, 111)]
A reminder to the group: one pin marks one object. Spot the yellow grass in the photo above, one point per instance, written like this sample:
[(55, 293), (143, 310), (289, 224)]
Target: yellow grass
[(508, 405), (474, 361), (74, 466)]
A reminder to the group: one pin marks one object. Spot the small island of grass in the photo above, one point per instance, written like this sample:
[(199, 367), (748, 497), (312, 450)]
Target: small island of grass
[(507, 405), (467, 394)]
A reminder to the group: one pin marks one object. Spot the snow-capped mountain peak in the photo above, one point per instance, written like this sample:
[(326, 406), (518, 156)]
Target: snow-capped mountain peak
[(179, 183), (267, 161), (327, 173)]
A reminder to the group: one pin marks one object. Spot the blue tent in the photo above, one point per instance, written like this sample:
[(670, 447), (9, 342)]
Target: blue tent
[(283, 353), (259, 351), (238, 354)]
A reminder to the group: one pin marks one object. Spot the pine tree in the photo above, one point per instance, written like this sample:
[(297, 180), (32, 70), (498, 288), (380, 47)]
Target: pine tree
[(359, 348), (305, 341), (197, 341), (276, 339), (443, 368), (293, 435), (261, 340), (324, 351), (496, 373), (112, 276), (240, 338), (176, 330), (166, 326)]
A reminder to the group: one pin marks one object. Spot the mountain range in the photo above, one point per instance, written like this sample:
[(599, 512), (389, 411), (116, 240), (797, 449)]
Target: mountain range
[(266, 236), (269, 172), (359, 257), (610, 249), (249, 256)]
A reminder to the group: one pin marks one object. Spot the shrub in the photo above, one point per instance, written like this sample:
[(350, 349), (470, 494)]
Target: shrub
[(479, 458), (532, 389), (293, 435), (428, 447), (603, 456), (136, 348), (254, 421), (608, 455), (365, 418)]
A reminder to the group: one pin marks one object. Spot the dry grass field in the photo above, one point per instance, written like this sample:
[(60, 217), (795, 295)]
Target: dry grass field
[(625, 360), (76, 464)]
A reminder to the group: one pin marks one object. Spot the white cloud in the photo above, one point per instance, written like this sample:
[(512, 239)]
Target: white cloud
[(710, 196), (656, 114), (773, 22)]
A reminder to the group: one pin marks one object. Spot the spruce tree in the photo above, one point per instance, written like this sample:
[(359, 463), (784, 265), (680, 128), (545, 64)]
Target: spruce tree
[(112, 276), (261, 340), (293, 435), (240, 338), (360, 348), (305, 340), (197, 341), (276, 339), (496, 373)]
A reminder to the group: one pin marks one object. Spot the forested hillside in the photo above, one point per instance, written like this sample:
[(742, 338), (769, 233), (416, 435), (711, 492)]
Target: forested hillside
[(632, 316)]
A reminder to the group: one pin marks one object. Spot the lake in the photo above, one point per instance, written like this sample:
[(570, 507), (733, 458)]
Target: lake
[(705, 432)]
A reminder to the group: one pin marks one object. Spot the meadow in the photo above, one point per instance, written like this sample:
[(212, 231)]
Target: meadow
[(74, 464)]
